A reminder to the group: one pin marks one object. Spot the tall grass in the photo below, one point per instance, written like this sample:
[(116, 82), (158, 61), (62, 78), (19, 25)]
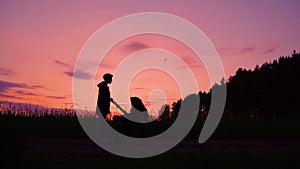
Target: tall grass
[(38, 121), (40, 111)]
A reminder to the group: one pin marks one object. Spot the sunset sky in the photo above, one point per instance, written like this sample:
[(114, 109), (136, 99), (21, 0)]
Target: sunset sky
[(41, 40)]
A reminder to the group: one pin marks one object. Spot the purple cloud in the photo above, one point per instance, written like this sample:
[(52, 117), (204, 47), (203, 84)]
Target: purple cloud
[(38, 87), (6, 72), (25, 93), (78, 75), (5, 85), (136, 45), (10, 96)]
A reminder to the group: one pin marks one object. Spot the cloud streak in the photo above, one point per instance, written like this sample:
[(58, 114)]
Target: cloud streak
[(56, 97), (190, 63), (10, 96), (5, 85), (248, 49), (25, 93), (37, 87), (139, 88), (270, 49), (6, 72), (78, 75), (61, 63), (136, 46)]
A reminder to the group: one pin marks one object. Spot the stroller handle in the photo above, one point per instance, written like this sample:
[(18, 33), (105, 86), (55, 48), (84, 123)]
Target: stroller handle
[(119, 107)]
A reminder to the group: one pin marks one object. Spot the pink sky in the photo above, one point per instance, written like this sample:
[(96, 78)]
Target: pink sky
[(40, 41)]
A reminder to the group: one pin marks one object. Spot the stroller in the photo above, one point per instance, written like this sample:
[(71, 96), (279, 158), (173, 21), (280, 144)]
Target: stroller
[(137, 112), (131, 123)]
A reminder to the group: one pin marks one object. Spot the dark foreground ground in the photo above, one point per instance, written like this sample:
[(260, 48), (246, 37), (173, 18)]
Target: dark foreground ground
[(84, 153), (42, 143)]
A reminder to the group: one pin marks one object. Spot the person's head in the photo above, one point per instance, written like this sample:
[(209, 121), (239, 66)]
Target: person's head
[(107, 77)]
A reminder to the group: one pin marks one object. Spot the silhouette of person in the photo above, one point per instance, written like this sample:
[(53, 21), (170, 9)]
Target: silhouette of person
[(104, 99)]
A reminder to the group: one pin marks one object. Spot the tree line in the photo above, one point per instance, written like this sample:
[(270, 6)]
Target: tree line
[(269, 92)]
